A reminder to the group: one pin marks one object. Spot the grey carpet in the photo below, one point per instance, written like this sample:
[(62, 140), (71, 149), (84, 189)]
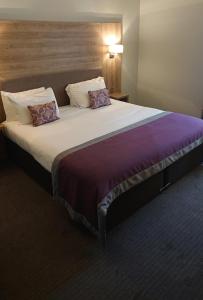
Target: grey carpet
[(156, 254)]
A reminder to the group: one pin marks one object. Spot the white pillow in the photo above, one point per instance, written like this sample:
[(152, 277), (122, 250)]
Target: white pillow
[(78, 92), (11, 114), (21, 103)]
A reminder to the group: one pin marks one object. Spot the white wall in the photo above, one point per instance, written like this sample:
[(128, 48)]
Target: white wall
[(170, 72), (86, 10)]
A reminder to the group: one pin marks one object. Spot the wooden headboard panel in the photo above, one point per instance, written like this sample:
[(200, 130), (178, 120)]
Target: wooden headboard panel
[(36, 47), (32, 48)]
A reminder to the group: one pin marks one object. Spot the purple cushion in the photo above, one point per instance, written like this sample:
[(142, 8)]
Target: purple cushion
[(43, 113), (99, 98)]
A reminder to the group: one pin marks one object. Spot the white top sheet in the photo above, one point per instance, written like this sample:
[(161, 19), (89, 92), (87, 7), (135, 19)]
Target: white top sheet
[(76, 126)]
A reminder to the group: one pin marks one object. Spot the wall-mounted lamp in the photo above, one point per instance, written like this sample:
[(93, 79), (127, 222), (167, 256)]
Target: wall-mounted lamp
[(115, 49)]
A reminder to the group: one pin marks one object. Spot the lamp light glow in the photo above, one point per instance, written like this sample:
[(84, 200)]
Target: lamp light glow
[(111, 40)]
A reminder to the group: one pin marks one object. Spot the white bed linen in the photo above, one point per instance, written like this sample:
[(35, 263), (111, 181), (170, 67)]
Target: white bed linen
[(76, 126)]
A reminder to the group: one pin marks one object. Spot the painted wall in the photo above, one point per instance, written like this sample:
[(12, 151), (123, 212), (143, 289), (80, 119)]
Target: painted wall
[(170, 74), (86, 10)]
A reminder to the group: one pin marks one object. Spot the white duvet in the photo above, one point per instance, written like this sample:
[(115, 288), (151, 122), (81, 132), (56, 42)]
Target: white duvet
[(76, 126)]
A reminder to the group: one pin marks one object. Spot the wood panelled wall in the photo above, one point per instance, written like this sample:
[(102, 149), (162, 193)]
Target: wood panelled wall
[(33, 47)]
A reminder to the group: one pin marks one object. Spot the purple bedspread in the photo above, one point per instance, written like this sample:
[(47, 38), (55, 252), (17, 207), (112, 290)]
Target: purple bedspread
[(91, 178)]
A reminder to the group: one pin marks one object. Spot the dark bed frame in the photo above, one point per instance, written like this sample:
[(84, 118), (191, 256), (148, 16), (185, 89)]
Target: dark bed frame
[(135, 197)]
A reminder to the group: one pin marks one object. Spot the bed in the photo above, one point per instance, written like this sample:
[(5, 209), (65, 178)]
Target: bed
[(103, 164)]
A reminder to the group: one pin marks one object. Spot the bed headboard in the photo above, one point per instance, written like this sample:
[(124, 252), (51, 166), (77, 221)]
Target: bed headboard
[(36, 53), (58, 81)]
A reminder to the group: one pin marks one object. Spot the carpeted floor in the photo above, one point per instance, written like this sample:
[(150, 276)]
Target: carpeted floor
[(157, 254)]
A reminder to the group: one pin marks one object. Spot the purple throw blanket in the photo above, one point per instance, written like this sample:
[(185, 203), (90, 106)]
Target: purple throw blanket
[(89, 179)]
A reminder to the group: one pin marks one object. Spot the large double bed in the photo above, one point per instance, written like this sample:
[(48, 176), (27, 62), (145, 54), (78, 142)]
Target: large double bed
[(103, 164)]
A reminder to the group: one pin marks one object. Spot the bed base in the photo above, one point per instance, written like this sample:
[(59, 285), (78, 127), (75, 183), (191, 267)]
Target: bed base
[(151, 187), (29, 165), (133, 199)]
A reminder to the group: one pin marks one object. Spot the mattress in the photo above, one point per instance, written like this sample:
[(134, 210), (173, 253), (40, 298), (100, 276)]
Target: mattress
[(76, 126)]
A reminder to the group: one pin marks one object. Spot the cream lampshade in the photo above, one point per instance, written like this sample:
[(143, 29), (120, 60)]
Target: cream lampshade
[(115, 49)]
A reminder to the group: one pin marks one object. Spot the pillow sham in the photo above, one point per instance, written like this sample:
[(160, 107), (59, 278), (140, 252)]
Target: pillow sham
[(99, 98), (22, 102), (43, 113), (78, 92), (9, 108)]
